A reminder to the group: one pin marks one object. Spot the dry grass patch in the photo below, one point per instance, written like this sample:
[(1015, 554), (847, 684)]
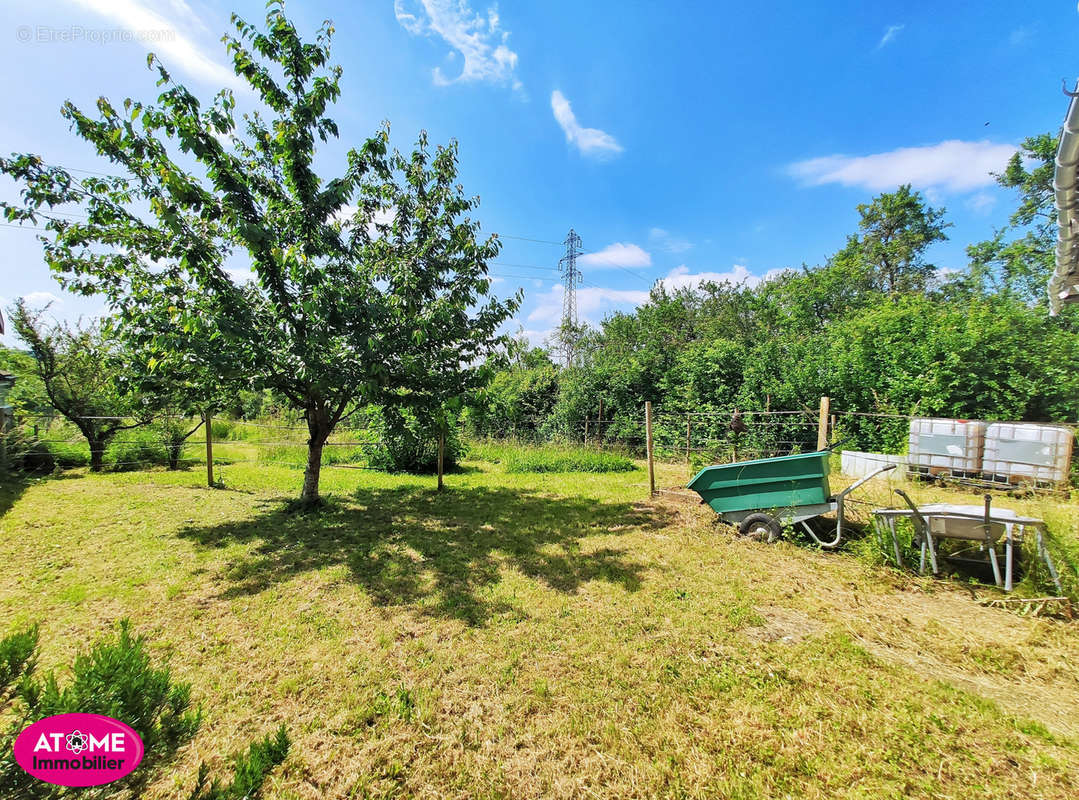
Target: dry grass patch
[(532, 636)]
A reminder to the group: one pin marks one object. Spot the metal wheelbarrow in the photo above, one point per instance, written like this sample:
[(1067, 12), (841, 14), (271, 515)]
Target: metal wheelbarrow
[(759, 497)]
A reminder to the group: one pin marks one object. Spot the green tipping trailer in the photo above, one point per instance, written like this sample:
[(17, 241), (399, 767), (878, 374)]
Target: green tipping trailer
[(760, 496)]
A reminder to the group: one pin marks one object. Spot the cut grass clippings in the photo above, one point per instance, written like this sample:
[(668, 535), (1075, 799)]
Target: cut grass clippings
[(538, 636)]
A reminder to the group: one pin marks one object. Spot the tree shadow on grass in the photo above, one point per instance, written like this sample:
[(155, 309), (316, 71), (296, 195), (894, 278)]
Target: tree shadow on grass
[(12, 486), (441, 553)]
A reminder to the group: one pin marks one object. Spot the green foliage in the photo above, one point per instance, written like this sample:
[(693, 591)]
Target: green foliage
[(81, 371), (887, 255), (18, 653), (518, 399), (26, 453), (115, 678), (249, 770), (411, 445), (1021, 267), (875, 328), (368, 287), (139, 449), (28, 395)]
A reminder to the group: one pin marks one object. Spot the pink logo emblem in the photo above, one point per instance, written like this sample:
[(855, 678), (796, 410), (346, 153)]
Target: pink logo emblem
[(78, 749)]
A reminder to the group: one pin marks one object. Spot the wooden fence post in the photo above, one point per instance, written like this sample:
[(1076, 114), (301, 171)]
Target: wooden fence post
[(822, 423), (648, 447), (688, 439), (586, 430), (209, 450)]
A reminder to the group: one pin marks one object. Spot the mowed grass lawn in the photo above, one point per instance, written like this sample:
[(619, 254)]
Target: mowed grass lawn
[(539, 635)]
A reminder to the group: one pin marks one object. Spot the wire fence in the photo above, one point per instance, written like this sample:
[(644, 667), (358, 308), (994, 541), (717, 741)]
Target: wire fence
[(694, 438), (43, 441)]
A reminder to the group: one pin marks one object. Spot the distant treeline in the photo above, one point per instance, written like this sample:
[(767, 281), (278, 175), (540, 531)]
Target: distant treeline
[(877, 328)]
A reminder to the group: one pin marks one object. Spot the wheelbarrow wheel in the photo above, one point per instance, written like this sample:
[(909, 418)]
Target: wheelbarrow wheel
[(761, 527)]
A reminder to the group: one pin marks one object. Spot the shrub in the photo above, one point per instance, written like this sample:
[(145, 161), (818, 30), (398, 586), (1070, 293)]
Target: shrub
[(136, 449), (411, 446), (117, 679), (27, 453), (222, 428), (249, 770)]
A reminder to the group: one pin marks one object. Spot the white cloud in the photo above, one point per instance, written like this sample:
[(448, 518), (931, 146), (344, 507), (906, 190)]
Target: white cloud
[(590, 141), (981, 203), (953, 165), (479, 39), (383, 216), (594, 302), (618, 254), (158, 33), (536, 338), (665, 241), (240, 276), (591, 300), (889, 35), (39, 299), (681, 278)]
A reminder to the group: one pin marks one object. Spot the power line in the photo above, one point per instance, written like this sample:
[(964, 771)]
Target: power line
[(523, 277), (525, 266), (527, 239)]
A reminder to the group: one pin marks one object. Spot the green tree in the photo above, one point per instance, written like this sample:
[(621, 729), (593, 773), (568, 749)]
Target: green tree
[(1021, 266), (357, 280), (82, 376), (895, 228)]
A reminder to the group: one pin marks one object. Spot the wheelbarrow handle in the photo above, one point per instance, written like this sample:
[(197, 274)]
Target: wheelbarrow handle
[(834, 445)]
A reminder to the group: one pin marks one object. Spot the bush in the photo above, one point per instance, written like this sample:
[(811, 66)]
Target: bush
[(26, 453), (117, 679), (554, 458), (136, 449), (410, 446), (249, 770), (222, 428)]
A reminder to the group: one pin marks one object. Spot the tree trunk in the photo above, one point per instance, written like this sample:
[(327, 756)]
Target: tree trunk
[(174, 449), (318, 425), (309, 496), (97, 453)]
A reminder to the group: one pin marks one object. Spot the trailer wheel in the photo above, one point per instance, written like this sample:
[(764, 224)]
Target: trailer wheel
[(761, 527)]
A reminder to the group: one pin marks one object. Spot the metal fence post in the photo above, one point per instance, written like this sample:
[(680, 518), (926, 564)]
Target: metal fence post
[(648, 447)]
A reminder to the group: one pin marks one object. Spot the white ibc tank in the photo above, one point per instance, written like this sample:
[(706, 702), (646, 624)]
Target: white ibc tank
[(945, 445), (1018, 451)]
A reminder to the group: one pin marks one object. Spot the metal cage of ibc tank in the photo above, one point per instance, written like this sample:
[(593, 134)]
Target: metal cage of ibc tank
[(1027, 453), (946, 447)]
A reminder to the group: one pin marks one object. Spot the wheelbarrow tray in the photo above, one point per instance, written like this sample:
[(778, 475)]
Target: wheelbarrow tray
[(784, 485)]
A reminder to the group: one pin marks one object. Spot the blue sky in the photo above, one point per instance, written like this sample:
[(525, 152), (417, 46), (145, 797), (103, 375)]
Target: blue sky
[(681, 141)]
